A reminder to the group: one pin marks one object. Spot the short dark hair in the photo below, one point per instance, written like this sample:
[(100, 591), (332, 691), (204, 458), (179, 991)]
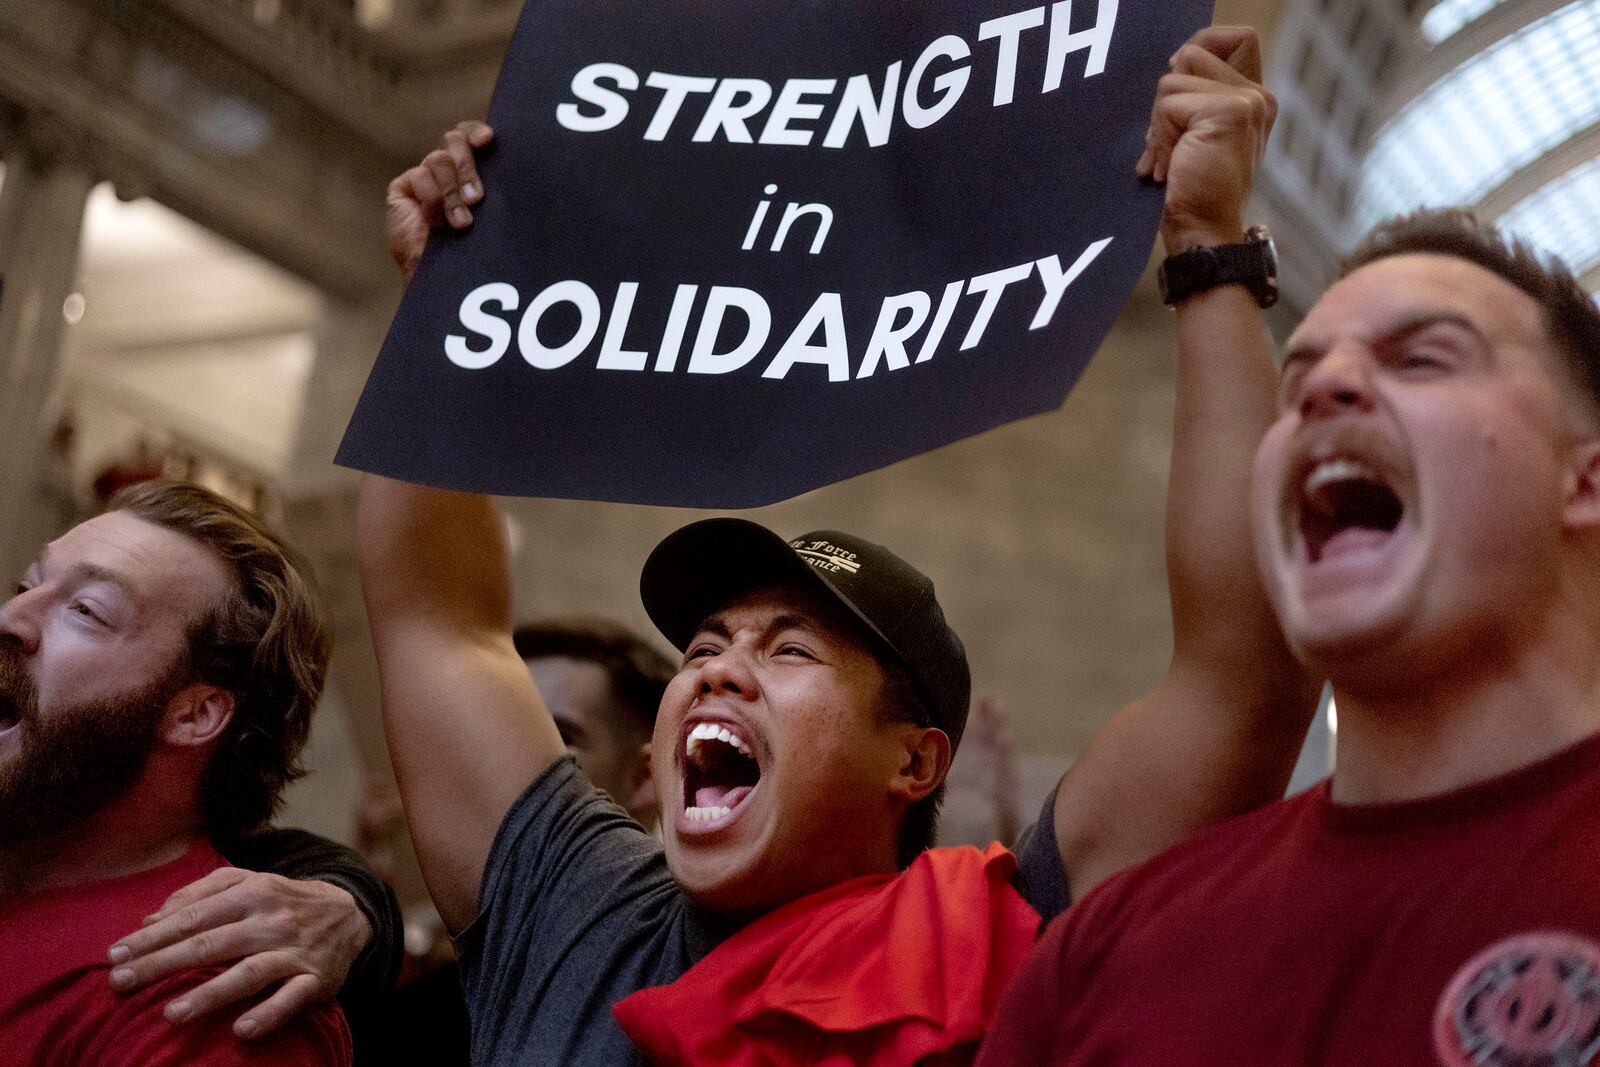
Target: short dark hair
[(903, 702), (1571, 317), (639, 672), (266, 643)]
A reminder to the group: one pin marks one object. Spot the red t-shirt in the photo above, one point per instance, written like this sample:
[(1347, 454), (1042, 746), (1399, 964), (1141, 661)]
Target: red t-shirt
[(1459, 929), (57, 1008)]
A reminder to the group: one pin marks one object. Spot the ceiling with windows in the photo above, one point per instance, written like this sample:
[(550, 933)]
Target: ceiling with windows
[(1392, 105), (1486, 128)]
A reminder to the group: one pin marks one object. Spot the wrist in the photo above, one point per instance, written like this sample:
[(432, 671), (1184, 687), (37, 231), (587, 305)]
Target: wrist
[(1181, 238), (1199, 268)]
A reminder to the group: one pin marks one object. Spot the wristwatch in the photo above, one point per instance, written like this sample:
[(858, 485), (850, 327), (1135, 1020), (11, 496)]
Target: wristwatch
[(1253, 264)]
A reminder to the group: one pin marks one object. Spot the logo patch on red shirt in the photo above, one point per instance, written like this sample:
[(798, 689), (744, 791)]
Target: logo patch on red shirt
[(1532, 1000)]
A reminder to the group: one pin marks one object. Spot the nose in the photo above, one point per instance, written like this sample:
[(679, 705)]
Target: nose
[(727, 672), (19, 625), (1337, 383)]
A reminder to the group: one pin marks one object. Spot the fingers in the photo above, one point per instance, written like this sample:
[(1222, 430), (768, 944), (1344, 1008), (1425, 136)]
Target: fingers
[(1218, 60), (1238, 46), (1184, 100), (461, 142), (292, 998), (454, 174), (195, 921), (218, 880), (221, 944), (1192, 59), (243, 980)]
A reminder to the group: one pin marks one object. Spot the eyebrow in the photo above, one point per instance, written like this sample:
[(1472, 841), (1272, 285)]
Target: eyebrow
[(716, 626), (1399, 330), (83, 573)]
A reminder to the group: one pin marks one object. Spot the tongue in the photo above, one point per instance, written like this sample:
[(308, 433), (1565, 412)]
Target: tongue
[(716, 796), (1353, 539)]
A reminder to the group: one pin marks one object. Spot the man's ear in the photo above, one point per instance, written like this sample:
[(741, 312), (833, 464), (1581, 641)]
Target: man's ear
[(926, 762), (1581, 508), (197, 715), (642, 795)]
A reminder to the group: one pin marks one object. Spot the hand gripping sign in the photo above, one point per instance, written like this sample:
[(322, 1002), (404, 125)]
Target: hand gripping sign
[(732, 251)]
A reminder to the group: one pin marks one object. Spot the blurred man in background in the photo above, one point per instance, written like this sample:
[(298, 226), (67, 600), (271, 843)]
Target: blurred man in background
[(603, 684)]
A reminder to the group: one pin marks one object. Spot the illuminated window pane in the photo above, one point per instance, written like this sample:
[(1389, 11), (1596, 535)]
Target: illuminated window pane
[(1448, 16), (1563, 217), (1488, 118)]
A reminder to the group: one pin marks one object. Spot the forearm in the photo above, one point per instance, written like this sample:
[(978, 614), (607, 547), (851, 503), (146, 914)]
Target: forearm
[(1225, 386), (1226, 391)]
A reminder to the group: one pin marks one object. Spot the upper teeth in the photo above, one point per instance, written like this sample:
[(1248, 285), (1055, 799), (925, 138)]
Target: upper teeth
[(1337, 470), (710, 731)]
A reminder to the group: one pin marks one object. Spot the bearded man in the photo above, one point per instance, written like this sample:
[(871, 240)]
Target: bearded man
[(158, 668)]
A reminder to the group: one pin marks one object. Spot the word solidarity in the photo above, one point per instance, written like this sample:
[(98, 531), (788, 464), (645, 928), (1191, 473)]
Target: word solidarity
[(729, 252), (900, 319), (934, 86)]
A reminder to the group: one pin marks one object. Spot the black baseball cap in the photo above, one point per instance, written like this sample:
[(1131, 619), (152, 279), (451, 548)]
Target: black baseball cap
[(699, 569)]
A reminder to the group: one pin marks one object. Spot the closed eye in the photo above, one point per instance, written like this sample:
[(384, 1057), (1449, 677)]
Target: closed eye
[(87, 611), (1424, 360)]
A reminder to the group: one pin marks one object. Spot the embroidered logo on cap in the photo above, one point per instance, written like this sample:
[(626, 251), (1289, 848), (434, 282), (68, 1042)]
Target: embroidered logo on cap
[(1532, 999), (827, 556)]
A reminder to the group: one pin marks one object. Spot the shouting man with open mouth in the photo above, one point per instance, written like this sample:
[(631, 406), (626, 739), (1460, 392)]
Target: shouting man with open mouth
[(793, 912)]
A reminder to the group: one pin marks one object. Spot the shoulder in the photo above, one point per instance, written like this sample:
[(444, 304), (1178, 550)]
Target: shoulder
[(560, 813), (77, 924), (1196, 871), (567, 864), (95, 1025)]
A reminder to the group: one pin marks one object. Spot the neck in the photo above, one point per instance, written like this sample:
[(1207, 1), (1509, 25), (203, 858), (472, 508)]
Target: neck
[(138, 831), (1496, 707)]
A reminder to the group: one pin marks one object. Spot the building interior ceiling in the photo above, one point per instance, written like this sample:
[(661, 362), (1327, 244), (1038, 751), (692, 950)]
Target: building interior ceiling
[(174, 328), (1391, 105)]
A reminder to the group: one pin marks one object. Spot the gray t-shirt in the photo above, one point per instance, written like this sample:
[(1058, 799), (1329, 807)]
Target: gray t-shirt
[(578, 910)]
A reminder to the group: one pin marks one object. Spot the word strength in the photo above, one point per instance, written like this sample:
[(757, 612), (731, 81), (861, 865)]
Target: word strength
[(909, 327), (798, 110)]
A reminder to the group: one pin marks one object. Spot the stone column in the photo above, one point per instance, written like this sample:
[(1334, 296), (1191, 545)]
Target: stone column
[(42, 199)]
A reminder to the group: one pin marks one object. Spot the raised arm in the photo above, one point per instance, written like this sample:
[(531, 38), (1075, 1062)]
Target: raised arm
[(1220, 734), (467, 730)]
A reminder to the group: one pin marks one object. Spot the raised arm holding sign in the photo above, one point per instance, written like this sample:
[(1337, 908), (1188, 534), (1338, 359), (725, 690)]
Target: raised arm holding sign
[(800, 752)]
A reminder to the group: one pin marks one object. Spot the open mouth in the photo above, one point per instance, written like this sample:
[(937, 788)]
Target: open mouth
[(1346, 503), (720, 772)]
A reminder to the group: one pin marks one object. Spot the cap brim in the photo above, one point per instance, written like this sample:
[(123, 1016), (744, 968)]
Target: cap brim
[(701, 568)]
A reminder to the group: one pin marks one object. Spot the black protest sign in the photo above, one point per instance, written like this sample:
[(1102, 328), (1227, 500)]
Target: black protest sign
[(729, 252)]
